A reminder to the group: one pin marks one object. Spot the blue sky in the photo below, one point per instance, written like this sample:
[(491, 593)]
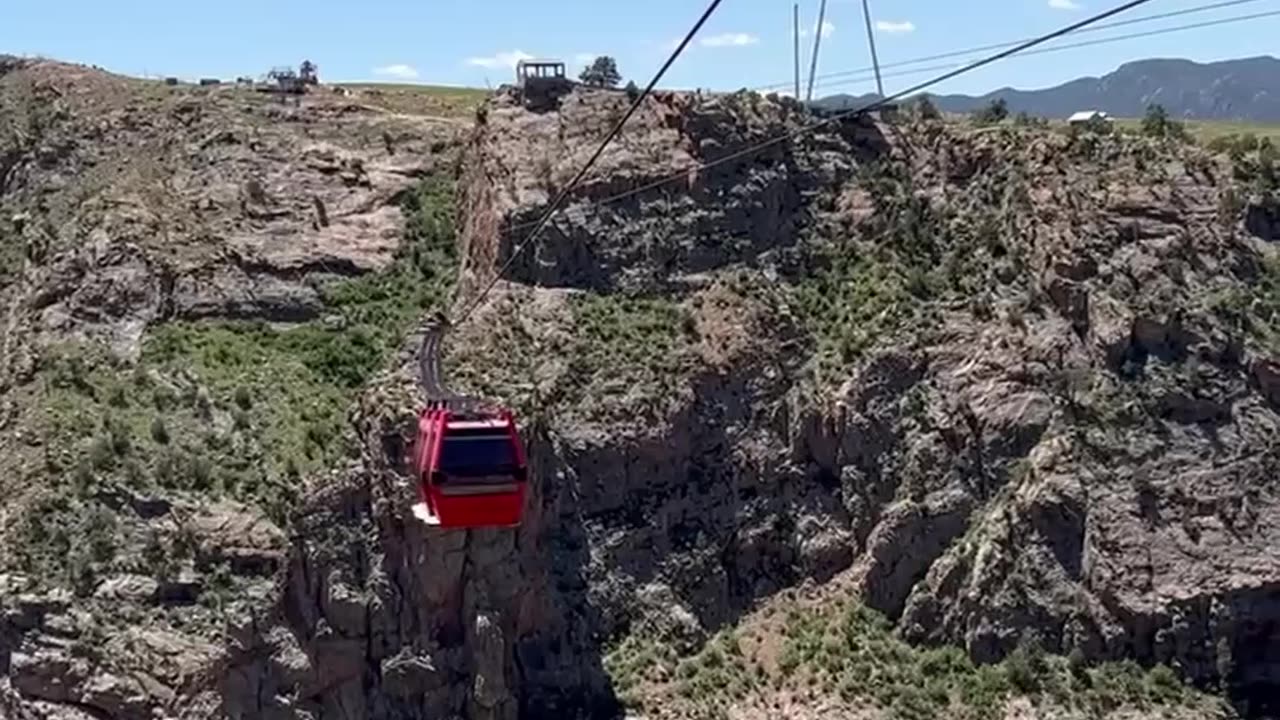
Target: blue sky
[(746, 44)]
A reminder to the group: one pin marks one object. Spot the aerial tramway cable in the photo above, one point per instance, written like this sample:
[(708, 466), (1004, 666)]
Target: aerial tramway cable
[(683, 173), (946, 66), (468, 457), (485, 486), (564, 193), (1011, 43), (429, 352), (1078, 45)]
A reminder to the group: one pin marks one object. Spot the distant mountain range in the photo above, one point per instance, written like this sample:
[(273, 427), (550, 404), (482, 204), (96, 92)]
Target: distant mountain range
[(1245, 89)]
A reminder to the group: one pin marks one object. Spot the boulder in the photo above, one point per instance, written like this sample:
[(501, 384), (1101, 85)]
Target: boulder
[(236, 534)]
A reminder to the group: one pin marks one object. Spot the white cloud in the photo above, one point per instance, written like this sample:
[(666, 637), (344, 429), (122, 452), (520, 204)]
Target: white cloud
[(828, 29), (1064, 4), (399, 71), (500, 60), (888, 26), (730, 40)]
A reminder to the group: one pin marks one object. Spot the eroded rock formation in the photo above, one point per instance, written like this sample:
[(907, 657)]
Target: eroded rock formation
[(1061, 429)]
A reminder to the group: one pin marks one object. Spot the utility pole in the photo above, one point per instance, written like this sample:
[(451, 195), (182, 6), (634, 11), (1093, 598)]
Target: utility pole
[(817, 45), (795, 29), (871, 40)]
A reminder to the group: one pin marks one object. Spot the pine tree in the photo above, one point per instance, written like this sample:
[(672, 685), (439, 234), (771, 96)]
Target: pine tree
[(926, 108), (602, 72)]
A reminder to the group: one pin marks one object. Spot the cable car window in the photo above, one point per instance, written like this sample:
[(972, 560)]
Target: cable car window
[(477, 455)]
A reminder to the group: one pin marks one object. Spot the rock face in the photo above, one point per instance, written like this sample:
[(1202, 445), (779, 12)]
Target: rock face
[(125, 205), (630, 522), (1263, 219), (1058, 424), (180, 204), (131, 648), (660, 239), (1084, 452)]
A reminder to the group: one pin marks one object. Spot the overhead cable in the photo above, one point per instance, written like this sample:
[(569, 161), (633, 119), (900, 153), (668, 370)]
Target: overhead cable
[(685, 172), (564, 193)]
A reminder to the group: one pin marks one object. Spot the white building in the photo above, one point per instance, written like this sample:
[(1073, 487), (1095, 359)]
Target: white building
[(1087, 116)]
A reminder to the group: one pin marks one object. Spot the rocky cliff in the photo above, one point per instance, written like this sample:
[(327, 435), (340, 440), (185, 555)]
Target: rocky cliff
[(1037, 373), (193, 282), (1005, 390)]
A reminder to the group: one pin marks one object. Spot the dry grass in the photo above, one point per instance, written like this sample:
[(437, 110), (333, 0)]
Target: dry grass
[(1206, 130), (1202, 131), (410, 99)]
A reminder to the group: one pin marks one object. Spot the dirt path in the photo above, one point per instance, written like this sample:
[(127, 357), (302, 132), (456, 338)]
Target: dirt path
[(415, 116)]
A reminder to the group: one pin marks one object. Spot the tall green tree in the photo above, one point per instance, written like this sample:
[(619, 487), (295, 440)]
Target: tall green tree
[(993, 113), (602, 72), (1156, 123), (926, 109)]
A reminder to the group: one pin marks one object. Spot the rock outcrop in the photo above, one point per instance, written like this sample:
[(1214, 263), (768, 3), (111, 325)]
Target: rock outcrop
[(609, 237), (125, 205), (178, 204), (133, 648), (1082, 451), (998, 382)]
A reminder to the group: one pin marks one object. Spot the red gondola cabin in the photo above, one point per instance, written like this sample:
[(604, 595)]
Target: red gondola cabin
[(471, 469)]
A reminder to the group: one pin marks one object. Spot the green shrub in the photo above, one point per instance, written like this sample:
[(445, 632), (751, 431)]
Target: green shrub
[(926, 110), (204, 404), (1026, 664), (116, 397), (160, 431), (995, 112), (622, 344), (1163, 685), (163, 398), (200, 470), (83, 478), (155, 557), (1157, 124), (854, 652), (912, 703), (102, 454), (119, 435), (91, 548), (167, 468), (1078, 665), (135, 473), (1115, 684)]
